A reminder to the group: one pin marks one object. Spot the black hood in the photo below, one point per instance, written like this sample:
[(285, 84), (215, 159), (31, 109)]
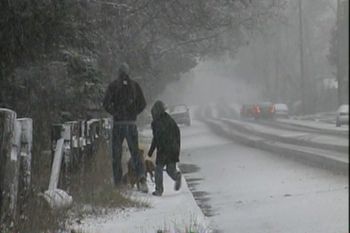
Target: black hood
[(158, 109)]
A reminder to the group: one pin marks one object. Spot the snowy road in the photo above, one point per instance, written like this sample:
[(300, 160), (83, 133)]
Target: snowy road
[(246, 190)]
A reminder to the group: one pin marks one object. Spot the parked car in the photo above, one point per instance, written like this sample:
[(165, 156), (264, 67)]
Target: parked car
[(250, 111), (281, 110), (181, 114), (267, 110), (342, 115)]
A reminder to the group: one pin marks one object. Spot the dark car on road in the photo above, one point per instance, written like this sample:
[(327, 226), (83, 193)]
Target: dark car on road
[(181, 114)]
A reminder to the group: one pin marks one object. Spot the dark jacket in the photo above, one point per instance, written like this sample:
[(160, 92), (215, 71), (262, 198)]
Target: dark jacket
[(124, 102), (166, 138)]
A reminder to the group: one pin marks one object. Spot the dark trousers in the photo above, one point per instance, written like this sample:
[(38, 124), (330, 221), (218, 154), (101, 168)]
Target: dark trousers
[(119, 133), (170, 169)]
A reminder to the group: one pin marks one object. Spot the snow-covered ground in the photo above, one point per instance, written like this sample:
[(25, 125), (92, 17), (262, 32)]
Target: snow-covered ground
[(249, 190), (173, 212), (240, 189)]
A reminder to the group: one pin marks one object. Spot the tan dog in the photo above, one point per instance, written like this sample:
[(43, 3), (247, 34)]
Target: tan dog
[(131, 176), (150, 168)]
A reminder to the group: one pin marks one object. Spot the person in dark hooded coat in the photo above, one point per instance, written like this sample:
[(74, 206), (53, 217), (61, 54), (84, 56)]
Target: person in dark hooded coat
[(124, 100), (166, 139)]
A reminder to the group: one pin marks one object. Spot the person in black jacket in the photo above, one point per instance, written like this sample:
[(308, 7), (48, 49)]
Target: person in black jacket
[(166, 139), (124, 100)]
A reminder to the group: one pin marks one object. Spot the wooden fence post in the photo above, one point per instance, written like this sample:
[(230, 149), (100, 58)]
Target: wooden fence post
[(56, 131), (107, 128), (74, 141), (68, 155), (25, 160), (94, 133), (9, 166)]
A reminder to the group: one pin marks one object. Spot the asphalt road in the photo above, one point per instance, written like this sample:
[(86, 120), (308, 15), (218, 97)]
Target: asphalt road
[(245, 190)]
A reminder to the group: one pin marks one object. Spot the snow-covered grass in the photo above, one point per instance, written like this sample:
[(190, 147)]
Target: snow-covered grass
[(193, 228), (93, 193), (93, 184), (173, 212)]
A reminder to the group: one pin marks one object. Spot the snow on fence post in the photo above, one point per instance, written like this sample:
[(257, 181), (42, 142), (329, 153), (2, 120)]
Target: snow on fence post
[(93, 133), (74, 144), (55, 197), (25, 159), (67, 151), (84, 133), (56, 131), (10, 133), (82, 147), (15, 157), (106, 127), (63, 131), (56, 165), (88, 138)]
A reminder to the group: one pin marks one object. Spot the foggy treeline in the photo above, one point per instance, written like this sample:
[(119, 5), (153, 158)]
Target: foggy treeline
[(58, 56), (272, 60), (268, 67)]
